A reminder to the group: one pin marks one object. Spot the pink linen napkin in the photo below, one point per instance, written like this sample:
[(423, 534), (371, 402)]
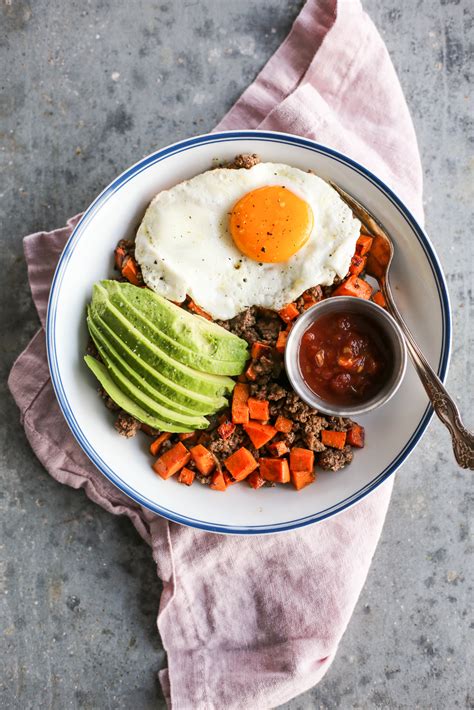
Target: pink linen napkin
[(252, 622)]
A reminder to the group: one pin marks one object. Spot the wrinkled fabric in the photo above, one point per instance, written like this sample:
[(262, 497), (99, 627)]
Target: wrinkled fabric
[(252, 622)]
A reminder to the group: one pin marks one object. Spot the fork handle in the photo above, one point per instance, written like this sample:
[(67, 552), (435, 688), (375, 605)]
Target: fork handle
[(443, 403)]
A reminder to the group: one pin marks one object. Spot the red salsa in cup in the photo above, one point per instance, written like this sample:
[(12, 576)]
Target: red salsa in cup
[(343, 358)]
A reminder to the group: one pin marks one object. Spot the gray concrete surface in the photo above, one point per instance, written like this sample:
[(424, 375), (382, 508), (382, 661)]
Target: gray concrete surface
[(88, 88)]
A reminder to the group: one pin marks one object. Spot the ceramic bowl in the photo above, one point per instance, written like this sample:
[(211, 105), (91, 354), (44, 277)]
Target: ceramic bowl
[(392, 432)]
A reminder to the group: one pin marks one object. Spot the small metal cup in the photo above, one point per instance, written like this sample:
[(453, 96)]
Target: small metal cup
[(393, 338)]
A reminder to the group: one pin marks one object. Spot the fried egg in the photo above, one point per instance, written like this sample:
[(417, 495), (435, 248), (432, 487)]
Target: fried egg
[(231, 239)]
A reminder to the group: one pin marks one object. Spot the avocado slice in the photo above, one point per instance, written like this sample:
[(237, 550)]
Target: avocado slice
[(110, 355), (197, 360), (113, 322), (145, 402), (200, 403), (128, 405), (192, 331)]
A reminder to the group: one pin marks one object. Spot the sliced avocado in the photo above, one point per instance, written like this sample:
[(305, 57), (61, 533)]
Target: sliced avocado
[(150, 405), (199, 361), (187, 377), (199, 403), (128, 405), (109, 354), (194, 332)]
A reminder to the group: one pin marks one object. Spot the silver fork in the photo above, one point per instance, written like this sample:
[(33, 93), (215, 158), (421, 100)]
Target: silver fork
[(378, 265)]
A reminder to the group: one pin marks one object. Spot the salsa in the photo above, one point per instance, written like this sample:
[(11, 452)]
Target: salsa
[(343, 358)]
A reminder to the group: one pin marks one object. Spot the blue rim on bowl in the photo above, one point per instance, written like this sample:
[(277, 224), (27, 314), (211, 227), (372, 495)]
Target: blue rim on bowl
[(179, 147)]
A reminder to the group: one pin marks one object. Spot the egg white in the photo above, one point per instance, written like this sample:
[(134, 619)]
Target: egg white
[(184, 246)]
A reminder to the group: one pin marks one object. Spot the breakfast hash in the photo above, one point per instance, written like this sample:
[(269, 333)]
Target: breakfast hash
[(188, 341)]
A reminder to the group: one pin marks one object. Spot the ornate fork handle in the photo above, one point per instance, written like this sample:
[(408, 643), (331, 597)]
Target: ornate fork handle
[(443, 404)]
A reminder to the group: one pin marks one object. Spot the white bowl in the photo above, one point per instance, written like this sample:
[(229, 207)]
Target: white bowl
[(392, 431)]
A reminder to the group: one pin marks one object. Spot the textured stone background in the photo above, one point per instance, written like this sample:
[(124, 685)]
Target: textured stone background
[(87, 89)]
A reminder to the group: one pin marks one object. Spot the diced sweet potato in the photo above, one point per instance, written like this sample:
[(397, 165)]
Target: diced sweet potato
[(301, 459), (185, 436), (334, 439), (218, 481), (226, 429), (289, 312), (204, 460), (229, 481), (172, 461), (356, 436), (255, 480), (378, 257), (259, 349), (300, 479), (119, 256), (283, 424), (155, 445), (275, 470), (357, 264), (309, 302), (353, 286), (240, 464), (281, 341), (192, 306), (130, 270), (259, 409), (379, 299), (258, 433), (186, 476), (364, 244), (240, 410), (278, 448)]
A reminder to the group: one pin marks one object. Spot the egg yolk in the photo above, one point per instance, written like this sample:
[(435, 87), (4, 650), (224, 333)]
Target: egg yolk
[(271, 224)]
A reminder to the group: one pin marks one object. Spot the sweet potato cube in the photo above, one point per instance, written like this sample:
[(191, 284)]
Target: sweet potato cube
[(379, 299), (354, 286), (275, 470), (259, 349), (119, 256), (364, 244), (281, 341), (357, 264), (226, 429), (186, 476), (204, 460), (283, 424), (259, 409), (218, 481), (240, 410), (258, 433), (289, 312), (155, 445), (192, 306), (334, 439), (356, 436), (278, 448), (255, 480), (300, 479), (229, 481), (240, 464), (301, 459), (130, 270), (172, 461)]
